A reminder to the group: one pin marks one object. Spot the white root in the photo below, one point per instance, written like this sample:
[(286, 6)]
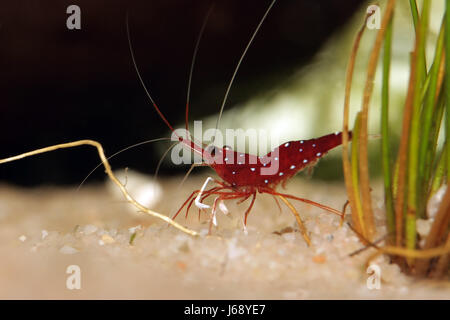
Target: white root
[(111, 175)]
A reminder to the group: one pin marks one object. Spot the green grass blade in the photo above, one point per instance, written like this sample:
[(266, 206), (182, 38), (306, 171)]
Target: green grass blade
[(431, 160), (413, 159), (438, 178), (415, 17), (447, 78), (426, 147), (414, 13)]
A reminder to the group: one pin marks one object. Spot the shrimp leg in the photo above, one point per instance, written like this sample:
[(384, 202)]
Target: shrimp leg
[(302, 227)]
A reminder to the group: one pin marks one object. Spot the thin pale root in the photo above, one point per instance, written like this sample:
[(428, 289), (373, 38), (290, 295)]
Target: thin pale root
[(108, 170), (409, 253)]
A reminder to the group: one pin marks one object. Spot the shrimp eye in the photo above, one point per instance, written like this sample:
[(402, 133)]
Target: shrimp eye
[(180, 139)]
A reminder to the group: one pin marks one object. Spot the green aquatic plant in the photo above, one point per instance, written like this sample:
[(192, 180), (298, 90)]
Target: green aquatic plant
[(419, 168)]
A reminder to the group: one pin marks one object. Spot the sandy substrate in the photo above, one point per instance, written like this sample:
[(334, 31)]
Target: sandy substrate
[(43, 231)]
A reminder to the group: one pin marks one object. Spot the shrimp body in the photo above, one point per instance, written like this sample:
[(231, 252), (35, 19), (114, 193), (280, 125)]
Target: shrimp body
[(250, 172), (243, 175)]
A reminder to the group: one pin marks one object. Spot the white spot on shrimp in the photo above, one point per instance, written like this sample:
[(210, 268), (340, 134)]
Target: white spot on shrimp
[(336, 133), (234, 172), (286, 144), (318, 154), (264, 164), (266, 181), (301, 141), (253, 169), (239, 162), (280, 174), (301, 150), (292, 167), (314, 145), (276, 158), (305, 161), (241, 155), (226, 159)]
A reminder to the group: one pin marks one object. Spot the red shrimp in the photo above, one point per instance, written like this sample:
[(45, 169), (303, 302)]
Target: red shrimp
[(243, 177), (242, 174)]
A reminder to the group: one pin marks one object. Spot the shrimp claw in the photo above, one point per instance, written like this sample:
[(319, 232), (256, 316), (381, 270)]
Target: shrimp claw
[(199, 196)]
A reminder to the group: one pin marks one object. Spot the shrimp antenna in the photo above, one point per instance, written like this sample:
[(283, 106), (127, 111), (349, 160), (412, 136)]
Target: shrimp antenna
[(140, 77), (194, 165), (194, 57), (118, 152), (155, 176), (239, 64)]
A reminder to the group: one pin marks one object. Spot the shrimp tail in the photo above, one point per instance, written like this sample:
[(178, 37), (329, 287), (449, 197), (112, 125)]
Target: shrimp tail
[(331, 141)]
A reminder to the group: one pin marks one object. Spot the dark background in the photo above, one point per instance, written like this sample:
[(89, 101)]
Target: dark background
[(59, 85)]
